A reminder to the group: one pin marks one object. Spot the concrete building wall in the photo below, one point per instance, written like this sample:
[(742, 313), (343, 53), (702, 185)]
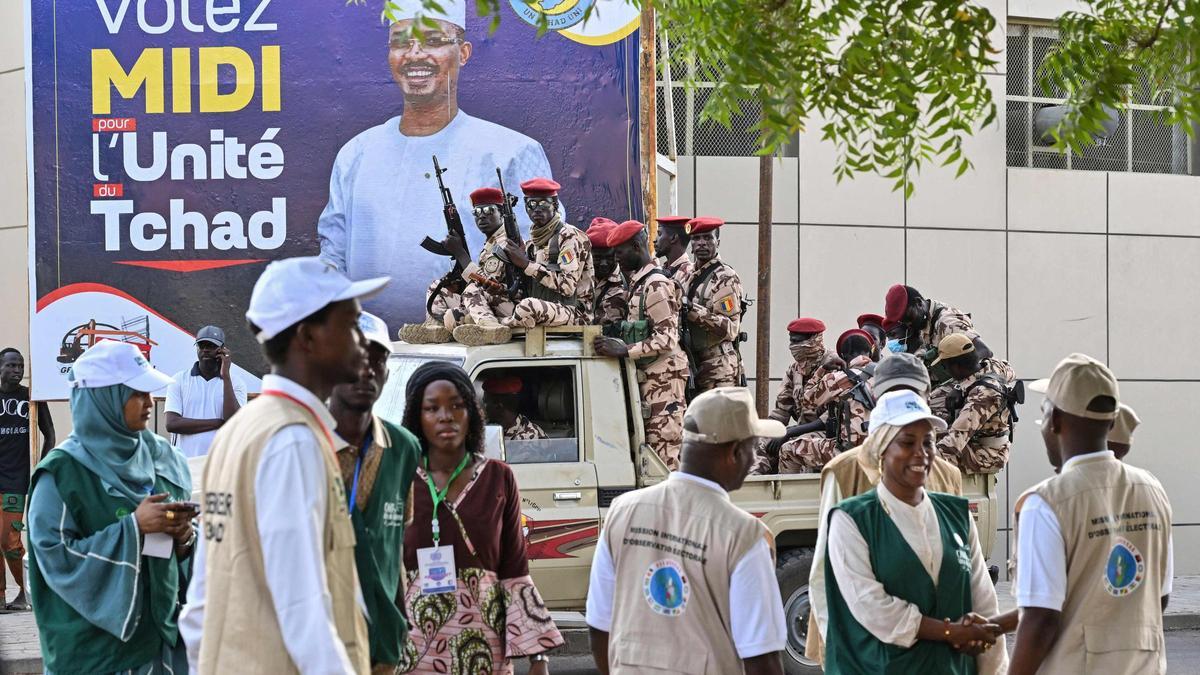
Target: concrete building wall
[(1047, 261)]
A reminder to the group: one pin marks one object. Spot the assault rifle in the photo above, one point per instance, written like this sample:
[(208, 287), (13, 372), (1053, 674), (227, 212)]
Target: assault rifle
[(454, 228), (514, 279)]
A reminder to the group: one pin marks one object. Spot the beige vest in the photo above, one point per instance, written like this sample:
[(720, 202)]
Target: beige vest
[(1116, 521), (674, 547), (241, 634)]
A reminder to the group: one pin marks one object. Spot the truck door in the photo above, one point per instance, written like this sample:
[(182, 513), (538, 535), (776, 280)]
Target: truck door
[(559, 494)]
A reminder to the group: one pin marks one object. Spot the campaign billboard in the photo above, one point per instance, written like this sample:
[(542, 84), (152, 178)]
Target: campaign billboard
[(178, 146)]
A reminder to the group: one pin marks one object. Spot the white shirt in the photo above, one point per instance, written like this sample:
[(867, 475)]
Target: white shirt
[(1042, 551), (891, 619), (383, 200), (289, 502), (756, 609), (194, 397), (831, 494)]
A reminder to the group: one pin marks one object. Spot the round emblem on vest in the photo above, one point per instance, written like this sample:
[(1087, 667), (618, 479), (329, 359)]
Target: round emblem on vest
[(666, 588), (1125, 569)]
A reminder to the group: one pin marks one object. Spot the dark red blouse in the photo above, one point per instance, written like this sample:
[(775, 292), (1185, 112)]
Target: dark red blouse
[(490, 510)]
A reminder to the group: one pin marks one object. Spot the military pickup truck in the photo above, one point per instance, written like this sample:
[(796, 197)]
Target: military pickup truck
[(590, 408)]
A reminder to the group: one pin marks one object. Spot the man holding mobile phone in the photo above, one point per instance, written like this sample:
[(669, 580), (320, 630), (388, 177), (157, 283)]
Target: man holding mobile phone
[(204, 397)]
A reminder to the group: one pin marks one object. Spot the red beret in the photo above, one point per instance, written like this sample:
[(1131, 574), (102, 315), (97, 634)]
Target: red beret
[(806, 325), (673, 221), (624, 232), (888, 325), (597, 232), (895, 303), (703, 224), (854, 331), (504, 384), (864, 319), (488, 195), (540, 187)]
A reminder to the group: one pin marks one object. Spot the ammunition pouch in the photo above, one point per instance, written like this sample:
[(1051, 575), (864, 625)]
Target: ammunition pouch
[(632, 332), (701, 338), (12, 503), (540, 292)]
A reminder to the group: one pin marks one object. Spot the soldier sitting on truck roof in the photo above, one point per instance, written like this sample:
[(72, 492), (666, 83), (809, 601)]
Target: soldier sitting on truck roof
[(846, 401), (980, 407), (856, 471), (558, 262), (501, 405), (611, 301), (480, 283), (650, 336), (808, 351)]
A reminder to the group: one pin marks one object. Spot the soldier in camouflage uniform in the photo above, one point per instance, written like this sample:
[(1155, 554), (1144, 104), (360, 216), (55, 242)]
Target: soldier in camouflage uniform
[(671, 247), (481, 283), (978, 438), (925, 323), (661, 364), (558, 262), (873, 325), (845, 399), (610, 303), (808, 353), (714, 310), (501, 402)]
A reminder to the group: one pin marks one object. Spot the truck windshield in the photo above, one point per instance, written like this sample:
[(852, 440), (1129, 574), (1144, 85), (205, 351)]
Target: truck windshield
[(390, 405)]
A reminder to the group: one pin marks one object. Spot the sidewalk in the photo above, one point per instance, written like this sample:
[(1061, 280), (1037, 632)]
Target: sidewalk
[(20, 655)]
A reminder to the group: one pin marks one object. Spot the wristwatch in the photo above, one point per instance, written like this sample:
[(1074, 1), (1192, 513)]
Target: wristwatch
[(539, 657)]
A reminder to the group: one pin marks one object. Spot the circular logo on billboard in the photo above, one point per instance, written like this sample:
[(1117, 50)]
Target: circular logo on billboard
[(666, 588), (1125, 569), (557, 14)]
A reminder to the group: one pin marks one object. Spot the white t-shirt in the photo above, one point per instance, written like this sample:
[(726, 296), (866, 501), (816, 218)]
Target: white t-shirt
[(383, 199), (194, 397), (756, 609)]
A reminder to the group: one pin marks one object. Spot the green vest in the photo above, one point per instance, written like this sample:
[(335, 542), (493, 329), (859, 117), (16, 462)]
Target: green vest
[(852, 649), (380, 536), (72, 644)]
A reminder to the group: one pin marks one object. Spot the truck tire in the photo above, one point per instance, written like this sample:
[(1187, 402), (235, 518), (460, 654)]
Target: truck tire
[(791, 572)]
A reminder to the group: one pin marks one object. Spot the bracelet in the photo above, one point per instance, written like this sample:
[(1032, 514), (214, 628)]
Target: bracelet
[(947, 633), (539, 657)]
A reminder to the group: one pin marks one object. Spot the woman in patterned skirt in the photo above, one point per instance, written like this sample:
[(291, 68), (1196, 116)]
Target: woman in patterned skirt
[(471, 602)]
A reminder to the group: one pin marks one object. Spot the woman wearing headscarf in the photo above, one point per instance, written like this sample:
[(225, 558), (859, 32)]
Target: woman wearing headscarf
[(907, 588), (471, 602), (109, 527)]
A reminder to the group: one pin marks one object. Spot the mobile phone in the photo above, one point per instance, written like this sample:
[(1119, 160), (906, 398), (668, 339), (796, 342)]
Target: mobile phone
[(194, 507)]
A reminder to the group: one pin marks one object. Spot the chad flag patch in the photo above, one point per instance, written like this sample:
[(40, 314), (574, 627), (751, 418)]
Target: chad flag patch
[(727, 304), (566, 258)]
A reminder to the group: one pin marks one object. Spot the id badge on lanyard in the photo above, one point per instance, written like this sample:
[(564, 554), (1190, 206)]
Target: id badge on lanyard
[(435, 565)]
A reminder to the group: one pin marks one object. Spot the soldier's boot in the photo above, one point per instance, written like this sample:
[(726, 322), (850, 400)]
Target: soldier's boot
[(430, 332), (489, 333)]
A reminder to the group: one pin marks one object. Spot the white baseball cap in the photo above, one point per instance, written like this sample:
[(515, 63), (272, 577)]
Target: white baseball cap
[(902, 407), (375, 330), (727, 414), (453, 11), (293, 289), (110, 362)]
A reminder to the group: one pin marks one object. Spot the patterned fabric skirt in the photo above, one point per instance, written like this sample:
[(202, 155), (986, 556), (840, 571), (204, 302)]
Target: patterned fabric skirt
[(477, 629)]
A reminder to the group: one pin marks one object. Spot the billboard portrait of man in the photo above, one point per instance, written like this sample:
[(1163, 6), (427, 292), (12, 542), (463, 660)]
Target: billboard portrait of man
[(383, 197)]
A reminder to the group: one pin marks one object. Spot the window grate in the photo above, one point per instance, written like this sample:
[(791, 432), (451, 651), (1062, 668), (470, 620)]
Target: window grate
[(1143, 141)]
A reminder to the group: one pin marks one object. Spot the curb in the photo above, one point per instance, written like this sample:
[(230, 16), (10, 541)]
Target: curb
[(29, 666)]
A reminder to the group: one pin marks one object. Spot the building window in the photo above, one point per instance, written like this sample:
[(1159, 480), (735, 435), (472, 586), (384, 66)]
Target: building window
[(704, 137), (1140, 143)]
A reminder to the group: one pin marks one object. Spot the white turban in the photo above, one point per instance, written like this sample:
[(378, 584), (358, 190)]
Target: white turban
[(454, 11)]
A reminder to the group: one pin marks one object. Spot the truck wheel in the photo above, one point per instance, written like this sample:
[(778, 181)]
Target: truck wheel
[(791, 572)]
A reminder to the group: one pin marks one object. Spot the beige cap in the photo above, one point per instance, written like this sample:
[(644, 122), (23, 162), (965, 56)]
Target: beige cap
[(1127, 421), (725, 415), (953, 345), (1076, 382)]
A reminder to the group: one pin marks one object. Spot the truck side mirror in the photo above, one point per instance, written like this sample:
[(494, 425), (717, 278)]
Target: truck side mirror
[(493, 442)]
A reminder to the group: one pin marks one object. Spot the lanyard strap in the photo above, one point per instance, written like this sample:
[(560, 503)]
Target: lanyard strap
[(362, 452), (439, 496)]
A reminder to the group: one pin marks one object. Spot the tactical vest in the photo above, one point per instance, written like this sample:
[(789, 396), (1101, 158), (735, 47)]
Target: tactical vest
[(699, 337), (537, 289)]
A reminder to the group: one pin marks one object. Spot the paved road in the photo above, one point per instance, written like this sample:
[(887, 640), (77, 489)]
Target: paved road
[(1183, 656)]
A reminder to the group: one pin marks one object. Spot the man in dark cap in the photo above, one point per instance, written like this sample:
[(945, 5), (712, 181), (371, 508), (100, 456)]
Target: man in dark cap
[(202, 398)]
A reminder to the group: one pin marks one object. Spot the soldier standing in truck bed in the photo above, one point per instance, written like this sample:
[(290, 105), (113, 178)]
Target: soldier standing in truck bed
[(671, 247), (650, 336), (714, 310), (610, 303)]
